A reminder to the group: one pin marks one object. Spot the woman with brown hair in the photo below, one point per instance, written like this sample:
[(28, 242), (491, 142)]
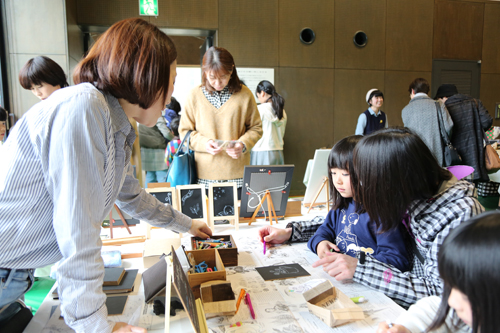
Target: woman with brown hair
[(222, 114), (68, 161)]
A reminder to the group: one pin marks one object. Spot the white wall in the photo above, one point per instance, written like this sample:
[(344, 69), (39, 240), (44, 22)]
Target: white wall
[(32, 28)]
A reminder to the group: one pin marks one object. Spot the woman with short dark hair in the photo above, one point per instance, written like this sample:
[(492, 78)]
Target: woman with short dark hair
[(67, 162), (42, 76)]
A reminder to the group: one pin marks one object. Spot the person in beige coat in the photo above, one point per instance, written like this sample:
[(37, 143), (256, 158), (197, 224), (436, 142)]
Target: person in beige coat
[(224, 120)]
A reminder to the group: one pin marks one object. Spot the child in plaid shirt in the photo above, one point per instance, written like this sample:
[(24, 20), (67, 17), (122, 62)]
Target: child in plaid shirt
[(173, 145)]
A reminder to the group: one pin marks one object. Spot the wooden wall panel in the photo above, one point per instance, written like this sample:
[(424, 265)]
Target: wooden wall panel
[(489, 94), (351, 87), (365, 15), (105, 13), (249, 30), (308, 97), (396, 93), (202, 14), (491, 39), (458, 30), (409, 35), (294, 15)]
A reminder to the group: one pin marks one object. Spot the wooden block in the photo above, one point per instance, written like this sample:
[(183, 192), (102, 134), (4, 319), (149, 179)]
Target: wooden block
[(125, 240), (212, 258), (218, 298), (331, 305), (293, 208), (113, 276), (229, 256)]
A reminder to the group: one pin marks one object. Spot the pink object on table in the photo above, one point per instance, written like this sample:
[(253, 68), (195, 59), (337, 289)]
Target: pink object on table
[(460, 171)]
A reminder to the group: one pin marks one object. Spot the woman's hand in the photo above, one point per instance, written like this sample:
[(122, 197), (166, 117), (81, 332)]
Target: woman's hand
[(274, 235), (383, 328), (339, 266), (200, 229), (213, 148), (324, 247), (236, 151), (124, 328)]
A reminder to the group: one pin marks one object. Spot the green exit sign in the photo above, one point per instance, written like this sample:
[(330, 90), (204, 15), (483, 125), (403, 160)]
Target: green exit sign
[(148, 7)]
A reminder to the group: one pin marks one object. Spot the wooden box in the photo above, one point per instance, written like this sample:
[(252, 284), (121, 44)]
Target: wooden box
[(331, 305), (218, 298), (229, 256), (212, 258)]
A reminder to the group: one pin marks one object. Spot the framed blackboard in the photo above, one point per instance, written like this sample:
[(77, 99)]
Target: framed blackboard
[(192, 201), (183, 289), (166, 195), (257, 179), (223, 201)]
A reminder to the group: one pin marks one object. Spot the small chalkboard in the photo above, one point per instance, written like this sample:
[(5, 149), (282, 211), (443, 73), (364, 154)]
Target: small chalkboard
[(257, 179), (183, 289), (192, 201), (223, 199), (281, 272), (166, 195)]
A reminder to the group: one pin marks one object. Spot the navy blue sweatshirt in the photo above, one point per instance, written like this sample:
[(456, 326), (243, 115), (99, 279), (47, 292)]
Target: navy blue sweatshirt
[(353, 232)]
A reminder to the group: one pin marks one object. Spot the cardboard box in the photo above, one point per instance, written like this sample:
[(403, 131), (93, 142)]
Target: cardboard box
[(154, 248), (212, 258), (331, 305), (229, 256), (218, 298)]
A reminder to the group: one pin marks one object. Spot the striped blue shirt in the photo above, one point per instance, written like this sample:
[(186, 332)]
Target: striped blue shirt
[(63, 166)]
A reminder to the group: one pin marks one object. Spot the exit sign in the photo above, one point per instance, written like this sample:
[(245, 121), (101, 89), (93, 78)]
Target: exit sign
[(148, 7)]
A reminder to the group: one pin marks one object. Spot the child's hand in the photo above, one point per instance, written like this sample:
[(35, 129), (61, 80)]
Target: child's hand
[(383, 328), (274, 235), (340, 266), (213, 148), (324, 247)]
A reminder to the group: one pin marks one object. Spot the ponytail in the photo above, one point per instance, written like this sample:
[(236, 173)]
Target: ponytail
[(278, 102)]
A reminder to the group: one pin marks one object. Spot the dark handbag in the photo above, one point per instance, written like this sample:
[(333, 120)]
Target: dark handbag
[(450, 154), (182, 171)]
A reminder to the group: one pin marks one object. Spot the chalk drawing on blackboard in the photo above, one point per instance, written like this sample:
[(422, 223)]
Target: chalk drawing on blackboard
[(195, 209), (254, 200), (192, 201), (257, 180), (223, 201), (166, 198), (187, 196), (227, 211), (277, 272), (284, 270)]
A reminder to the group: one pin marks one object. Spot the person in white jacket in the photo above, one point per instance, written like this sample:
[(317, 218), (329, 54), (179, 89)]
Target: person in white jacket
[(469, 265), (269, 149)]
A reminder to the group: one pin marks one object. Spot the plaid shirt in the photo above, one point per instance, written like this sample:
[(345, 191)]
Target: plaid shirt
[(303, 230), (431, 221)]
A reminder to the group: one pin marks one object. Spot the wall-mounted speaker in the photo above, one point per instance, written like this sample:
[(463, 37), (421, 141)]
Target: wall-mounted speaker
[(360, 39), (307, 36)]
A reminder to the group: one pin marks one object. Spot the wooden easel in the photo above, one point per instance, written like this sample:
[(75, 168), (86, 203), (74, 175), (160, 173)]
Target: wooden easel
[(112, 220), (270, 209), (325, 183)]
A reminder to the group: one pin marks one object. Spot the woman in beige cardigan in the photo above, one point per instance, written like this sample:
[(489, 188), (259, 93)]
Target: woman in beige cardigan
[(224, 120)]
